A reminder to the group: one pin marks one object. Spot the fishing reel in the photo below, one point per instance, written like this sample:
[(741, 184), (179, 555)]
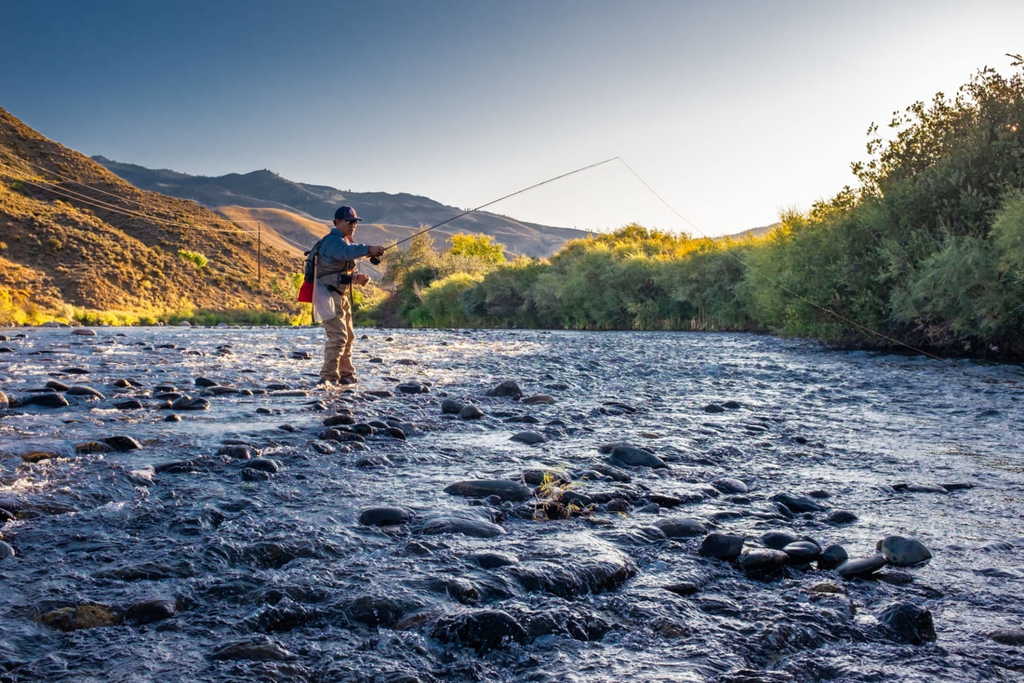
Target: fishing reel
[(375, 260)]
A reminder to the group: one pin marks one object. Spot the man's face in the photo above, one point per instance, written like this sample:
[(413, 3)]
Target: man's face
[(347, 228)]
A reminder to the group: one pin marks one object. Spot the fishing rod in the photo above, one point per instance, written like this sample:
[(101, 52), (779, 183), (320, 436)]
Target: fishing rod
[(375, 260)]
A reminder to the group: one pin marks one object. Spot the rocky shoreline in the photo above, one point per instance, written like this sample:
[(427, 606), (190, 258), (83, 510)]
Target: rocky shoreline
[(503, 506)]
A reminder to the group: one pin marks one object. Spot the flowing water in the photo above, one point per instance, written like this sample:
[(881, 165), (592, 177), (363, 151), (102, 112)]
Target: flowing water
[(216, 569)]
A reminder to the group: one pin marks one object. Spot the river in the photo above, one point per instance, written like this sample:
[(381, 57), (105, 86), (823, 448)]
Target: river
[(228, 546)]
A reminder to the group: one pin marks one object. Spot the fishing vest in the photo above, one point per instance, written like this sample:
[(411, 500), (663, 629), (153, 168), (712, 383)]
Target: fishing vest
[(328, 273)]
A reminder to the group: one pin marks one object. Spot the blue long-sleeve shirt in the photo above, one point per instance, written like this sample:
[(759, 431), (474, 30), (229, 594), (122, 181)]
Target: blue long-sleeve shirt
[(335, 249)]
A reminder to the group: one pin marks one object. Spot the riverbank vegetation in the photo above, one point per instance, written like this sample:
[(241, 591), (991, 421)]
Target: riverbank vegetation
[(927, 249)]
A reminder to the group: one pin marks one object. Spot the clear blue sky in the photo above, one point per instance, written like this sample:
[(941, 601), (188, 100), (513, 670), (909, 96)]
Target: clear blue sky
[(733, 110)]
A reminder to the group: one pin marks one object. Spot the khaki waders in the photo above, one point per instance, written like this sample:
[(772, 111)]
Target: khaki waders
[(338, 347)]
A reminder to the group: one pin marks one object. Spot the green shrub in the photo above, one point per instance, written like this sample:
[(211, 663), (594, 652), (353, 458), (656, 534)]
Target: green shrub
[(193, 257)]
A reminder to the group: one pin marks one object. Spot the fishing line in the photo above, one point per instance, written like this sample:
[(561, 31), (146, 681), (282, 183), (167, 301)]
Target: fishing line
[(500, 199), (781, 286)]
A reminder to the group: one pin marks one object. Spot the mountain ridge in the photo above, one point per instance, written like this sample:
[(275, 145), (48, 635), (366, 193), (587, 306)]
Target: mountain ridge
[(403, 212)]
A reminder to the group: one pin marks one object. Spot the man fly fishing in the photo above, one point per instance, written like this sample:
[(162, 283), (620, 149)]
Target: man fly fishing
[(332, 264)]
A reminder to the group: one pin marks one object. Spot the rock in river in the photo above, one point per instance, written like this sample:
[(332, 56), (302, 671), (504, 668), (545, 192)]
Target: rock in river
[(508, 389), (450, 524), (450, 406), (261, 648), (575, 575), (797, 503), (908, 623), (800, 552), (505, 489), (122, 443), (528, 437), (631, 456), (384, 516), (860, 568), (730, 485), (903, 552), (832, 557), (470, 412), (6, 551), (1008, 636), (721, 546), (44, 400), (148, 611), (480, 629), (763, 563), (681, 527)]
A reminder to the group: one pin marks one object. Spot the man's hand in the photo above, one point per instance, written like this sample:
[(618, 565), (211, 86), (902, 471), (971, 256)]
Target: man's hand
[(360, 279), (374, 250)]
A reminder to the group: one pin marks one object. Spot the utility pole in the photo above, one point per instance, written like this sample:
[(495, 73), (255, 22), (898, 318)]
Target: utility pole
[(259, 254)]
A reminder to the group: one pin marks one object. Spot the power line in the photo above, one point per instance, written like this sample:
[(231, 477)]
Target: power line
[(100, 204)]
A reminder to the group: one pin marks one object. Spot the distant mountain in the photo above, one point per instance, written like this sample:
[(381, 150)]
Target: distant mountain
[(750, 232), (76, 234), (391, 216)]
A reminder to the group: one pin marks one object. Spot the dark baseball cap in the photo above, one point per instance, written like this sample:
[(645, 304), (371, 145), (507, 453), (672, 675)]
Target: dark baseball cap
[(347, 213)]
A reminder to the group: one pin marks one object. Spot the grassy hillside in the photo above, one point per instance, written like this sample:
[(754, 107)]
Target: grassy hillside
[(76, 236)]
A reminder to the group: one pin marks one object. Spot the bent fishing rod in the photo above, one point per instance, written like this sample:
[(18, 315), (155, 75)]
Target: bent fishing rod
[(376, 259)]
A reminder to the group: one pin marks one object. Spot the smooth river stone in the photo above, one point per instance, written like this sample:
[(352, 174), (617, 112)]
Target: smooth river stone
[(861, 567), (384, 516), (903, 552), (681, 527), (505, 489), (630, 456), (721, 546), (449, 524)]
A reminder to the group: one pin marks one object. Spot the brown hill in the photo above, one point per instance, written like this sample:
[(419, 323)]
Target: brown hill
[(75, 233), (394, 215)]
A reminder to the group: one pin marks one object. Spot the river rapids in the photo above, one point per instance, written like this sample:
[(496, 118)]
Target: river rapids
[(505, 506)]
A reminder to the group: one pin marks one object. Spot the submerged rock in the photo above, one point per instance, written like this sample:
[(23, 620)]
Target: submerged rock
[(529, 438), (148, 611), (777, 540), (721, 546), (261, 648), (492, 559), (631, 456), (832, 557), (44, 400), (681, 527), (89, 615), (451, 407), (763, 563), (470, 412), (507, 389), (506, 489), (908, 623), (122, 443), (800, 552), (797, 503), (384, 516), (375, 610), (841, 517), (451, 524), (574, 576), (861, 568), (6, 551), (480, 629), (1008, 636), (730, 485), (903, 552)]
